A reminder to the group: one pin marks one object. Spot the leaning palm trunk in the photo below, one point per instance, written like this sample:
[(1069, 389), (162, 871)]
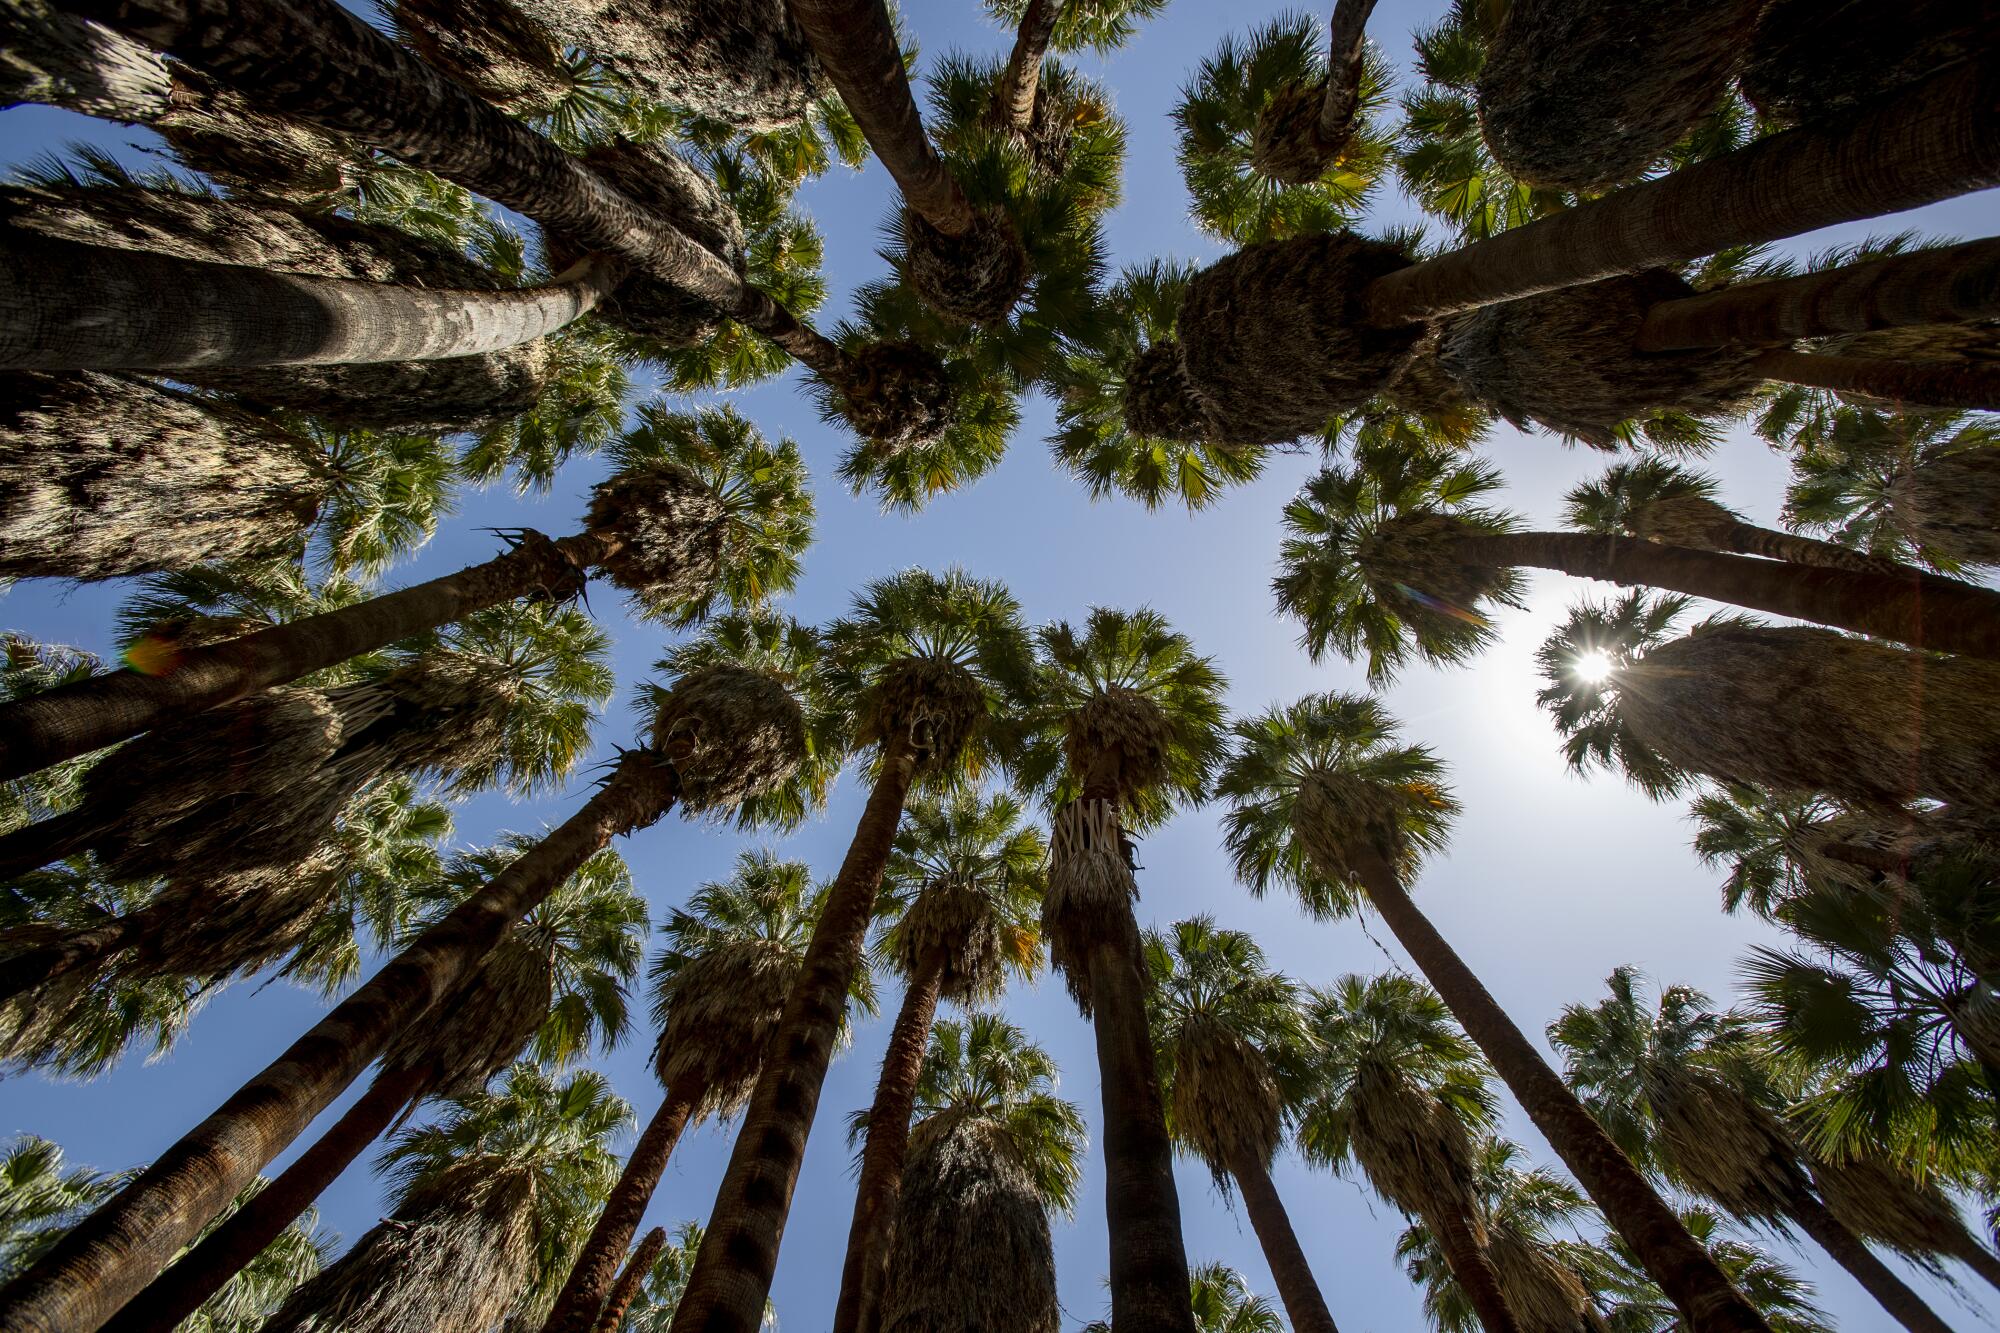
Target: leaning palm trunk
[(1304, 129), (1881, 1202), (1893, 1294), (627, 1286), (1305, 1305), (1943, 384), (1014, 99), (731, 1278), (1700, 523)]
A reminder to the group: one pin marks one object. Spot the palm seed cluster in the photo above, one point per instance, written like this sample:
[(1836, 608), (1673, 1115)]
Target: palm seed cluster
[(250, 379)]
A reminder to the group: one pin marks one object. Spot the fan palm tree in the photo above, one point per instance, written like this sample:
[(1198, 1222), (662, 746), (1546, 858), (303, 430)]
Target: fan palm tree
[(993, 1152), (719, 988), (1125, 726), (1901, 487), (1772, 843), (1232, 1048), (1745, 702), (702, 509), (1328, 803), (486, 1198), (1886, 1204), (721, 736), (1681, 1091), (923, 664), (1633, 1304), (1042, 26), (295, 1256), (652, 1306), (961, 907)]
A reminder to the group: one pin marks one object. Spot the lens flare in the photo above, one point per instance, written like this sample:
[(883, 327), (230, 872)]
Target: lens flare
[(1593, 668)]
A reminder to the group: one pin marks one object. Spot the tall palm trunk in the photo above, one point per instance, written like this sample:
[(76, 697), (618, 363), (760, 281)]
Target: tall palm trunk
[(856, 43), (1014, 99), (1685, 1271), (83, 307), (105, 1260), (1850, 1252), (628, 1283), (75, 719), (1930, 141), (585, 1291), (859, 1306), (1961, 618), (1346, 43), (1967, 385), (1954, 284), (732, 1271), (1305, 1306), (1978, 1258), (204, 1270), (1471, 1265)]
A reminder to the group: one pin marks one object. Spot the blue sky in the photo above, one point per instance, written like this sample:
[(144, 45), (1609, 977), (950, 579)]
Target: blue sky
[(1550, 882)]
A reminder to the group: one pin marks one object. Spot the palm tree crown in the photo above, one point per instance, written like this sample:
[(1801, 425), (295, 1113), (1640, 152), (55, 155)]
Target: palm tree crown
[(964, 888)]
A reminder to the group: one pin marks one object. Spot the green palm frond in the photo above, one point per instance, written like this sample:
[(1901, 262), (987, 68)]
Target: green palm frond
[(580, 411), (1101, 25), (962, 840), (41, 1199), (26, 668), (1581, 662)]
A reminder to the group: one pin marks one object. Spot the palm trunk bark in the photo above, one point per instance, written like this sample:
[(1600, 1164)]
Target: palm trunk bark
[(105, 1260), (1014, 99), (856, 43), (1958, 619), (1305, 1306), (859, 1306), (35, 845), (1685, 1271), (1346, 43), (65, 306), (1978, 1258), (1967, 385), (1954, 284), (1929, 141), (75, 719), (1847, 1249), (1789, 547), (197, 1275), (596, 1268), (732, 1272), (1472, 1268), (629, 1281)]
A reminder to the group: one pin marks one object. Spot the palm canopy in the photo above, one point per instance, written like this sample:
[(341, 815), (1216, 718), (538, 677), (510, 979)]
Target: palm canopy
[(1766, 839), (964, 886), (1251, 80), (1223, 1302), (1581, 662), (1098, 25), (1846, 479), (26, 668), (581, 408), (40, 1199), (1123, 709), (1355, 570), (1631, 499), (1230, 1039), (652, 1310), (1125, 425), (385, 493), (1319, 786)]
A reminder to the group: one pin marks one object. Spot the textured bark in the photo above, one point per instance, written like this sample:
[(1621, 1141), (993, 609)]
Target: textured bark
[(75, 307), (1847, 1249), (1142, 1210), (1685, 1271), (1952, 285), (628, 1283), (1305, 1306), (858, 1308), (457, 393), (1964, 619), (732, 1272), (1014, 99), (1968, 385), (504, 57), (1472, 1268), (1346, 43), (586, 1290), (71, 720), (204, 1270), (105, 1260), (1815, 57), (1933, 141)]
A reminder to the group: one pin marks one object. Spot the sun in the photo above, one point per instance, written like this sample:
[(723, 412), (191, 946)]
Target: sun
[(1594, 667)]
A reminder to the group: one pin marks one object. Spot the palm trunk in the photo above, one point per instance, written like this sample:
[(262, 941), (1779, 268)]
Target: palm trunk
[(65, 306), (1955, 284), (1932, 140), (1847, 1249), (1685, 1271), (859, 1306), (1957, 619), (1969, 385), (36, 966), (197, 1275), (75, 719), (732, 1271), (1305, 1306), (34, 845), (1346, 42), (1472, 1268), (105, 1260), (628, 1283), (596, 1268), (1978, 1258), (1014, 99), (856, 43), (1789, 547)]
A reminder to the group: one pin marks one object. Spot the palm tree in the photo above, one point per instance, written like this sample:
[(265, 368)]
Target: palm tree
[(1884, 1203), (719, 988), (1773, 843), (1633, 1304), (1328, 803), (961, 906), (1397, 554), (1042, 26), (1907, 486), (295, 1256), (1124, 727), (1233, 1050), (1222, 1302), (652, 1306), (1798, 69), (1681, 1091), (487, 1198), (1398, 1090), (993, 1152), (1745, 702), (702, 508), (923, 664), (721, 736)]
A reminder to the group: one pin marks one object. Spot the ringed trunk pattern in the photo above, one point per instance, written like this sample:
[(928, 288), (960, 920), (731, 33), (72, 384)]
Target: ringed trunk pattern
[(1014, 99), (629, 1281)]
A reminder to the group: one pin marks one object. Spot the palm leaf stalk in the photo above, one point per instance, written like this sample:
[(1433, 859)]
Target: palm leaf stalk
[(724, 736), (1327, 802), (926, 660), (702, 508)]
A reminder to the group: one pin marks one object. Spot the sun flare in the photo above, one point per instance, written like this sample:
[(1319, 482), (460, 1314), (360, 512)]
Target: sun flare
[(1594, 667)]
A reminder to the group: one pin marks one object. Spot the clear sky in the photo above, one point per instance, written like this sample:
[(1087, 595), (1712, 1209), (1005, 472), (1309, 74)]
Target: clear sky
[(1550, 882)]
